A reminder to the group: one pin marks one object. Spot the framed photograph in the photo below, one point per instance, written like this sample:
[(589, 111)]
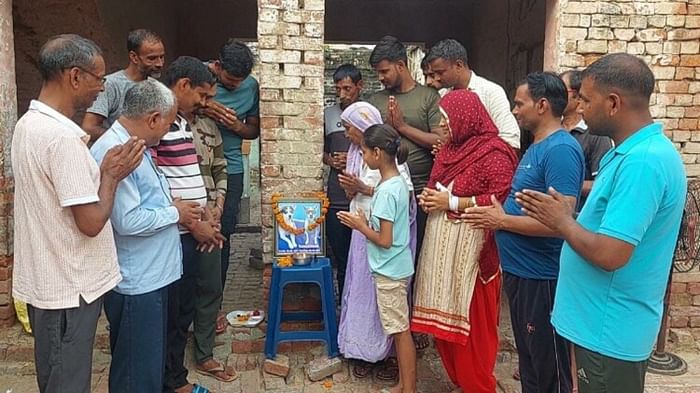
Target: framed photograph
[(299, 226)]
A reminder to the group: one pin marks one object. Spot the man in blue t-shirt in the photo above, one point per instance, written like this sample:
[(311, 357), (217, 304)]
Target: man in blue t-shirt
[(236, 109), (529, 250), (617, 258)]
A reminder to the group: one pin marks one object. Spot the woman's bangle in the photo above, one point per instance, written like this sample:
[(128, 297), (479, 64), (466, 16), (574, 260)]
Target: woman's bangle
[(453, 203)]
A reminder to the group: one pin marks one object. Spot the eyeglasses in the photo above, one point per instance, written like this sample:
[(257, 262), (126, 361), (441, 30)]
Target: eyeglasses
[(102, 79)]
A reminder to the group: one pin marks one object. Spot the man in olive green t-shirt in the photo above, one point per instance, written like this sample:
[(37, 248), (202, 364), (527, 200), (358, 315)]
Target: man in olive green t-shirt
[(412, 109), (408, 106)]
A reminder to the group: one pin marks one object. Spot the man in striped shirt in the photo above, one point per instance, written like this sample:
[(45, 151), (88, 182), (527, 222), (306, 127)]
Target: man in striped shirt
[(192, 83)]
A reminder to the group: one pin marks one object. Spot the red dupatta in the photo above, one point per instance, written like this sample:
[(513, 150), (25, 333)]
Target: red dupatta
[(476, 160)]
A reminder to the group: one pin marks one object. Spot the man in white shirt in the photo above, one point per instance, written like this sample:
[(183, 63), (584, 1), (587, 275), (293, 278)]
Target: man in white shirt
[(449, 68), (65, 258)]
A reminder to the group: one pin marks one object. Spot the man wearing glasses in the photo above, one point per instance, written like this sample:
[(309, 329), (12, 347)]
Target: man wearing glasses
[(146, 59), (65, 257)]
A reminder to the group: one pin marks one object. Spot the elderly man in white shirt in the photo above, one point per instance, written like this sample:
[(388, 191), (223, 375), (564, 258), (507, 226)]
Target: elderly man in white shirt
[(65, 258), (449, 69)]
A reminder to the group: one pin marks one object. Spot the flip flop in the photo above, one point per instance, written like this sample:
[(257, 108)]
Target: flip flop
[(388, 371), (422, 341), (221, 323), (361, 369), (215, 372)]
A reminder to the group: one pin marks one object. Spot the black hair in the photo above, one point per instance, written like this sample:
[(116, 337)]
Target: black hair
[(66, 51), (622, 71), (347, 71), (236, 59), (549, 86), (389, 48), (137, 37), (188, 67), (574, 79), (386, 138), (448, 49)]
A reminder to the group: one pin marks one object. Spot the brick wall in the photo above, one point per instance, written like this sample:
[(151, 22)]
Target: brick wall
[(290, 39), (667, 36), (8, 116)]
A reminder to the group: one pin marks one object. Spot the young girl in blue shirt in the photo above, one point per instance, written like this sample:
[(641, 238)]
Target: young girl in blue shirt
[(388, 248)]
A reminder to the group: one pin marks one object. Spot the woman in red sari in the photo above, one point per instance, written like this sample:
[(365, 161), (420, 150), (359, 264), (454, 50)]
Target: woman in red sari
[(458, 282)]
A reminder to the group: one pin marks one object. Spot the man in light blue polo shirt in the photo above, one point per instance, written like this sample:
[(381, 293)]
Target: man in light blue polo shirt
[(617, 256), (144, 219)]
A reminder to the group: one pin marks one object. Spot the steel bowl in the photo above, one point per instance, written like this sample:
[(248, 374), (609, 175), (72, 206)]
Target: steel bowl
[(302, 259)]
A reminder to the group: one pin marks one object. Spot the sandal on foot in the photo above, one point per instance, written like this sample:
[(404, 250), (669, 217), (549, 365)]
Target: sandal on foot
[(422, 341), (214, 369), (361, 369), (388, 371), (221, 323)]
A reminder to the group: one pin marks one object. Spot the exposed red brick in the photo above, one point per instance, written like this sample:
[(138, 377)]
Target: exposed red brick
[(284, 347), (679, 321), (681, 299), (9, 321), (5, 286), (694, 322), (6, 261), (694, 288), (678, 287), (245, 346), (278, 366), (688, 124), (17, 353), (690, 60), (303, 346)]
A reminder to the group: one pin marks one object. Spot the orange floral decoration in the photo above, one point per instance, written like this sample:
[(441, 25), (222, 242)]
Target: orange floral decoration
[(285, 261), (325, 203)]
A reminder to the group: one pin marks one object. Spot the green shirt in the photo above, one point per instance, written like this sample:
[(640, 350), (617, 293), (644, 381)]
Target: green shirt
[(245, 100), (420, 110), (390, 203)]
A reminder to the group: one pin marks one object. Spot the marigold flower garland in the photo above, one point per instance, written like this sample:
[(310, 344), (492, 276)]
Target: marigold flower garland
[(325, 203)]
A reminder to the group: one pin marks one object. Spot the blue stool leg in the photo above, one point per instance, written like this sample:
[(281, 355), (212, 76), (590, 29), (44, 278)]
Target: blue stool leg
[(329, 317), (273, 318)]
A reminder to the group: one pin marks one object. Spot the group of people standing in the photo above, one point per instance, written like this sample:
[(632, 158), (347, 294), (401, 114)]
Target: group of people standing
[(141, 203), (565, 228), (142, 199)]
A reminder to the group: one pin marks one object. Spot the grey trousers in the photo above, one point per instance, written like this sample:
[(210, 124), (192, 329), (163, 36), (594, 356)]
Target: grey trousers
[(63, 342)]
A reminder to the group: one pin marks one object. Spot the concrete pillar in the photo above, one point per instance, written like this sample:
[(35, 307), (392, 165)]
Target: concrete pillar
[(8, 117)]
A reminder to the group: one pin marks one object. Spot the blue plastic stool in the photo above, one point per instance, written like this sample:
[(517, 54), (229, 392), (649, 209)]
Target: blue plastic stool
[(319, 272)]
